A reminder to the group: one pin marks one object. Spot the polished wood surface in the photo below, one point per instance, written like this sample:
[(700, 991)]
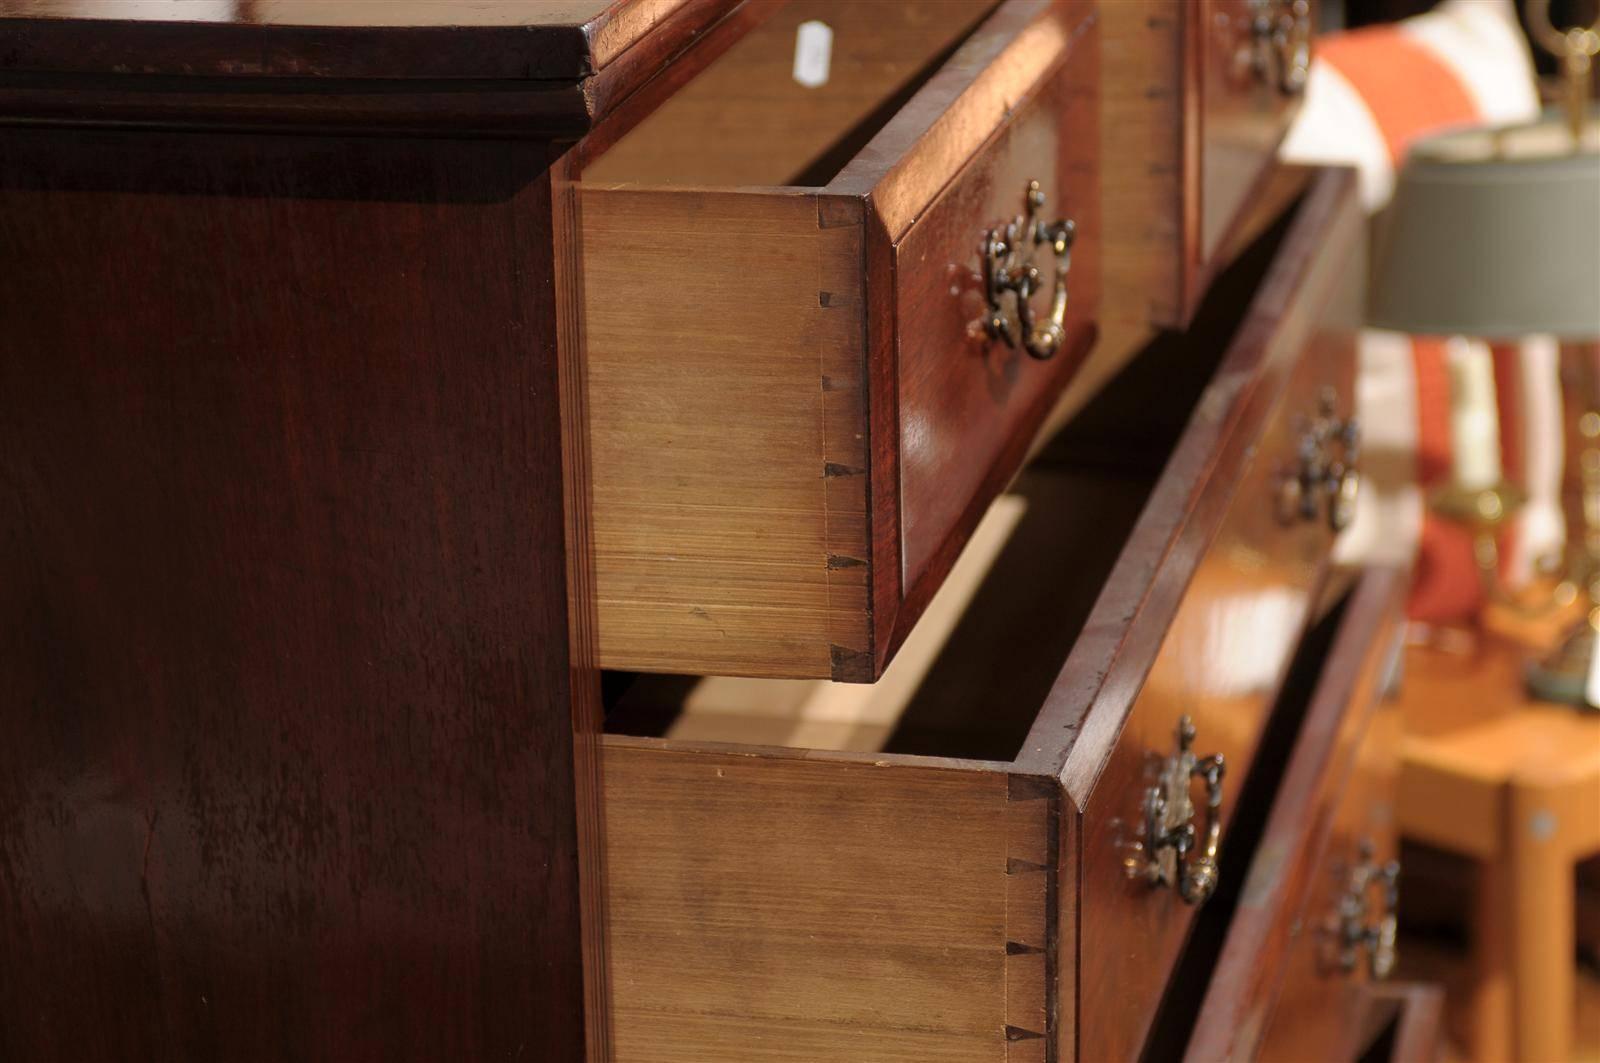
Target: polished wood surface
[(990, 707), (1514, 784), (1187, 133), (1337, 790), (511, 69), (1210, 632), (1318, 1007), (409, 39), (968, 406), (288, 687), (1243, 116), (763, 508), (745, 120), (1144, 233)]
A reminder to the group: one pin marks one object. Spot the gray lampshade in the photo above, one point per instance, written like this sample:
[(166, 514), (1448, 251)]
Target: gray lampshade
[(1493, 234)]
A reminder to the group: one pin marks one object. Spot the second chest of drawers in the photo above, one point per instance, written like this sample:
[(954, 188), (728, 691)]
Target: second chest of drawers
[(1001, 878)]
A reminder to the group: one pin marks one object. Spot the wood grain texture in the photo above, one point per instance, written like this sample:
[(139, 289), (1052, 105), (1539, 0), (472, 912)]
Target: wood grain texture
[(727, 414), (750, 511), (773, 905), (1217, 591), (512, 70), (286, 695), (1307, 296), (583, 651), (410, 39), (964, 104), (1141, 138), (964, 400), (1337, 790), (1186, 135), (1203, 610), (745, 120), (1243, 117)]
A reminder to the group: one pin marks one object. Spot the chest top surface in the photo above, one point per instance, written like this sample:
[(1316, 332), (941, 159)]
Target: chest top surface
[(342, 39)]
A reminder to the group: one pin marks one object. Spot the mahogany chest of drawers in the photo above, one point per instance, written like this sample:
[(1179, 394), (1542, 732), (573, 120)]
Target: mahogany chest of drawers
[(982, 881), (522, 537)]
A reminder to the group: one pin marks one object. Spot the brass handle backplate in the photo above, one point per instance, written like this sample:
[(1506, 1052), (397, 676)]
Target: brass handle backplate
[(1163, 858), (1360, 931), (1006, 270), (1327, 468), (1277, 52)]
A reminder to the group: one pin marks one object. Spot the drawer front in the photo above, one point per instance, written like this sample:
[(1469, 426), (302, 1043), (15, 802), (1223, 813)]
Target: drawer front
[(1194, 105), (1220, 665), (1254, 56), (968, 402), (1222, 656), (792, 428), (1335, 795), (1324, 983)]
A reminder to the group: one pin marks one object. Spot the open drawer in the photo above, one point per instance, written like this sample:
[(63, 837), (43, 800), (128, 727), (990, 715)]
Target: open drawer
[(920, 869), (1312, 929), (808, 373), (1197, 95)]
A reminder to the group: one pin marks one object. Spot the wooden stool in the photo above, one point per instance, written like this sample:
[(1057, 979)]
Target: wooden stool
[(1515, 785)]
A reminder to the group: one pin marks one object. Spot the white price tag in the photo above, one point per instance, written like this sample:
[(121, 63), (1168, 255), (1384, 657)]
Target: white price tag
[(813, 53)]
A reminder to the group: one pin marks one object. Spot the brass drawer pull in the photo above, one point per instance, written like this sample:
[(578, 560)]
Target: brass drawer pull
[(1327, 470), (1359, 930), (1005, 270), (1169, 831), (1278, 52)]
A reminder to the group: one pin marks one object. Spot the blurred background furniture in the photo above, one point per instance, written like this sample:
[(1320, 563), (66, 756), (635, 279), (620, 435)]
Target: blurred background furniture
[(1514, 784), (1493, 234)]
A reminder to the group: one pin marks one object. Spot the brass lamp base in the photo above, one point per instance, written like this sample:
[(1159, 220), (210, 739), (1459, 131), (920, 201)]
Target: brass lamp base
[(1563, 676), (1480, 509)]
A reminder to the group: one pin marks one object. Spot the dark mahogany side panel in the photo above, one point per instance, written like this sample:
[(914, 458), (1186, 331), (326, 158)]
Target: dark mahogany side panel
[(393, 39), (286, 756)]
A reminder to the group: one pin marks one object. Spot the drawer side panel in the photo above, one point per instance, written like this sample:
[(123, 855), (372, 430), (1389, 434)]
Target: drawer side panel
[(723, 337), (775, 906)]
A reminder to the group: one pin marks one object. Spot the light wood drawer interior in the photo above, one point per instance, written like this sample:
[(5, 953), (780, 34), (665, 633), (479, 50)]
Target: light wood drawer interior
[(796, 414), (812, 870)]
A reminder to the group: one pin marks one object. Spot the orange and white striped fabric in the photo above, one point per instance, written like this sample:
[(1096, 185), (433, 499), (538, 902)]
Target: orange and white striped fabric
[(1370, 94), (1373, 91)]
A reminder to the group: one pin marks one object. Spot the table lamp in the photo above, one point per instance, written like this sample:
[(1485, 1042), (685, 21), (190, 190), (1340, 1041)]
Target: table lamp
[(1495, 234)]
